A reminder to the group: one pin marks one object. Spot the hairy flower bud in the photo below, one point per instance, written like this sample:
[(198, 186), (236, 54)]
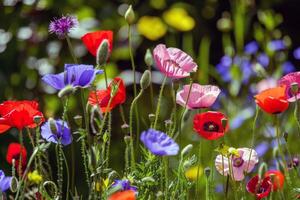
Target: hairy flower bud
[(145, 80), (129, 15), (187, 149), (102, 53), (69, 89), (148, 58)]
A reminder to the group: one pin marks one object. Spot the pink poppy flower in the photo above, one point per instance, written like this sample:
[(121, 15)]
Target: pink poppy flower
[(201, 96), (173, 62), (239, 163), (287, 80)]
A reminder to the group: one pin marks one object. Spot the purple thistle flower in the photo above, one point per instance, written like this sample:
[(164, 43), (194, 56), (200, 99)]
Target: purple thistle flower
[(296, 53), (4, 181), (62, 133), (159, 143), (124, 185), (251, 48), (76, 75), (62, 26)]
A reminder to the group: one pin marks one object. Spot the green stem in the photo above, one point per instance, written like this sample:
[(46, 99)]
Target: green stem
[(296, 114), (105, 77), (198, 170), (131, 128), (131, 59), (20, 157), (68, 175), (159, 102), (71, 49), (165, 163)]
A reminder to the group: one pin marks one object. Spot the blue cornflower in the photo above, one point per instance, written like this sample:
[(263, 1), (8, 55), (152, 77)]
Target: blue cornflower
[(262, 148), (251, 48), (62, 26), (75, 75), (277, 45), (60, 132), (263, 59), (159, 143), (296, 53), (288, 67), (123, 185), (4, 181)]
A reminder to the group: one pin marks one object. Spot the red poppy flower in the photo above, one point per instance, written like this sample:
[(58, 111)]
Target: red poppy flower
[(272, 100), (124, 195), (277, 179), (260, 188), (94, 39), (19, 114), (102, 97), (14, 151), (209, 125)]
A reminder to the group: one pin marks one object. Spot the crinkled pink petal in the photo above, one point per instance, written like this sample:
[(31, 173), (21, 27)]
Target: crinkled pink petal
[(238, 173), (185, 61), (222, 165), (249, 165)]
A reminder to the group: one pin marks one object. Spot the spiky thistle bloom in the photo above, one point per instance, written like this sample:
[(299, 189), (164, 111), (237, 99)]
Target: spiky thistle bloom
[(62, 26)]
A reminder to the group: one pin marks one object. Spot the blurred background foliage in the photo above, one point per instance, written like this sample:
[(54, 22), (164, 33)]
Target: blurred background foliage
[(206, 29)]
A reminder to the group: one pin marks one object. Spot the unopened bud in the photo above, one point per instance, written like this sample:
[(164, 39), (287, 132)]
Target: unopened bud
[(187, 149), (145, 80), (127, 139), (129, 15), (114, 88), (148, 58), (69, 89), (102, 53), (125, 128), (37, 119), (207, 171), (13, 184), (151, 117), (294, 88), (52, 124), (78, 120)]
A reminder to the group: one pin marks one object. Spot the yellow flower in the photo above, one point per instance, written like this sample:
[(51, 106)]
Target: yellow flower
[(179, 19), (151, 27), (35, 177), (100, 187), (192, 172)]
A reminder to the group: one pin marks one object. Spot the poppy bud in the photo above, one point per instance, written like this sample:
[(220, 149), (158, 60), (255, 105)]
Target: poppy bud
[(78, 120), (294, 88), (37, 119), (14, 184), (127, 139), (102, 53), (125, 128), (66, 91), (52, 124), (114, 88), (148, 58), (145, 80), (151, 117), (129, 15), (187, 149), (207, 171)]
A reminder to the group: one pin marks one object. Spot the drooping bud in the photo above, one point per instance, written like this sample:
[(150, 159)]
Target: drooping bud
[(294, 88), (145, 80), (37, 119), (187, 149), (102, 53), (78, 120), (207, 171), (52, 124), (148, 58), (129, 15), (69, 89)]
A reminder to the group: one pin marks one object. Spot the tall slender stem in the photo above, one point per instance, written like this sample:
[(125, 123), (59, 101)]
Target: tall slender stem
[(296, 114), (131, 59), (71, 49), (159, 102), (20, 156)]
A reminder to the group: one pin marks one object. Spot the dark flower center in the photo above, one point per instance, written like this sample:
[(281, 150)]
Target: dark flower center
[(237, 162), (211, 127)]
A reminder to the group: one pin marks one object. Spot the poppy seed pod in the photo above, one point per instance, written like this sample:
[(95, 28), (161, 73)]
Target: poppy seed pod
[(148, 58), (145, 80), (102, 53), (129, 15), (294, 88)]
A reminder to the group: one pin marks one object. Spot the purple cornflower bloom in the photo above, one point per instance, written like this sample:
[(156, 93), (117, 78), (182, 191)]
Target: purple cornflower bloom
[(251, 48), (288, 67), (124, 185), (296, 53), (263, 59), (62, 132), (4, 181), (262, 148), (62, 26), (76, 75), (159, 143), (277, 45)]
